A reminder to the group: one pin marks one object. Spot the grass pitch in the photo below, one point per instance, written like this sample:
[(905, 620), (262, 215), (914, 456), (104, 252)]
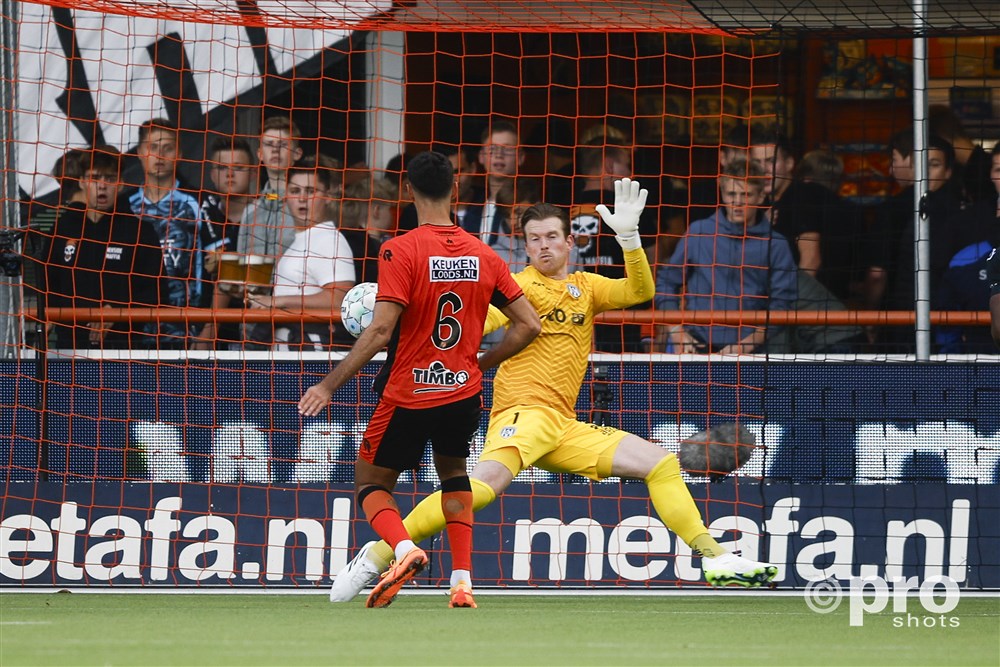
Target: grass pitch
[(261, 629)]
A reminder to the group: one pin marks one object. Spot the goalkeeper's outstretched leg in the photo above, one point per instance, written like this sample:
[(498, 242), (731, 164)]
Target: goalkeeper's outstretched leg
[(630, 456)]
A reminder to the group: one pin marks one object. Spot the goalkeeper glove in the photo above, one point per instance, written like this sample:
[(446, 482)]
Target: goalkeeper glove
[(629, 202)]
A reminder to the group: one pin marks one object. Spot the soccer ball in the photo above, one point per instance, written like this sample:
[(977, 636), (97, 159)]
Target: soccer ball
[(357, 308)]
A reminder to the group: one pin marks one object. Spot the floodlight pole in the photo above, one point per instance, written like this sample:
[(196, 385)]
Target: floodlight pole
[(10, 286), (922, 240)]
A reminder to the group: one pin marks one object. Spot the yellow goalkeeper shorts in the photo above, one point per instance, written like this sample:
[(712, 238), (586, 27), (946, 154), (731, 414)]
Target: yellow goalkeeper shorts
[(545, 438)]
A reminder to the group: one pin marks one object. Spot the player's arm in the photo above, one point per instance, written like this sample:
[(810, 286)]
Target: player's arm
[(494, 320), (524, 326), (495, 317), (637, 286), (368, 344)]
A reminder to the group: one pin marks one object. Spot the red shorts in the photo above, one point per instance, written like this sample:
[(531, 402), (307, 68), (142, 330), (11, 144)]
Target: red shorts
[(396, 436)]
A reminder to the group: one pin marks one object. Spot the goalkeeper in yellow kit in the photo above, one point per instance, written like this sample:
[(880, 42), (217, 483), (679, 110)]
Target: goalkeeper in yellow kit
[(533, 422)]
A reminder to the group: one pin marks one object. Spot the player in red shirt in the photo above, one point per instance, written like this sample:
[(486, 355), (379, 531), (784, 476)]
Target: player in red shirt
[(436, 283)]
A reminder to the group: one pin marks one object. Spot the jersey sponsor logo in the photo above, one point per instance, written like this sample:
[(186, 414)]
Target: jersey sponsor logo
[(114, 253), (438, 378), (573, 290), (451, 269), (508, 431), (578, 318), (555, 315)]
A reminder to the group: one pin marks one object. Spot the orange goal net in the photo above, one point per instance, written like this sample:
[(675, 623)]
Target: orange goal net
[(191, 186)]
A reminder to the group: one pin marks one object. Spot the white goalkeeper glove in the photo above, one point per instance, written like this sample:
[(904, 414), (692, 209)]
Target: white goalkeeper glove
[(629, 202)]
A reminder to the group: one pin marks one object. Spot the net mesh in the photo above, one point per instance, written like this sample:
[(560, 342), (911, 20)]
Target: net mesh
[(164, 323)]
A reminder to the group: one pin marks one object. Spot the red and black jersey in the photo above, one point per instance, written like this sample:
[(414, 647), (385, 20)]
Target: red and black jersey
[(445, 279)]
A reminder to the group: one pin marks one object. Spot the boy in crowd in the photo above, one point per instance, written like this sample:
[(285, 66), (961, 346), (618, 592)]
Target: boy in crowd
[(732, 260), (317, 269), (101, 257), (185, 236), (267, 228)]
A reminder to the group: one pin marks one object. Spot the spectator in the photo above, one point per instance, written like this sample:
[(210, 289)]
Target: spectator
[(567, 179), (811, 202), (791, 216), (513, 199), (595, 243), (232, 172), (966, 283), (102, 257), (554, 140), (944, 207), (821, 174), (185, 236), (465, 175), (732, 260), (364, 218), (972, 163), (703, 190), (500, 158), (267, 228), (316, 270), (880, 242), (43, 216)]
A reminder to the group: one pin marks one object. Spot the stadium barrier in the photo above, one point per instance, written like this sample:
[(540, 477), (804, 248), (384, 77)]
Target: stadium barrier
[(204, 474)]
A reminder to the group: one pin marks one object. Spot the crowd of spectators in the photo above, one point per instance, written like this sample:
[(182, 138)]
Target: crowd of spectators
[(768, 232)]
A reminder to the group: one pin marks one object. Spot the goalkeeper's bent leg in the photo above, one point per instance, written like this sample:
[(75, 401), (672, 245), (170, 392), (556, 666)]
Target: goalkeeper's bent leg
[(673, 502), (427, 519)]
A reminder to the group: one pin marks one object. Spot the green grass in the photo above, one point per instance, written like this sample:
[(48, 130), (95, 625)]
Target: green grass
[(149, 629)]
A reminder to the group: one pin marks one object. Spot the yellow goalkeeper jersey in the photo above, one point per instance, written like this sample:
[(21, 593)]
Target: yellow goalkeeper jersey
[(550, 370)]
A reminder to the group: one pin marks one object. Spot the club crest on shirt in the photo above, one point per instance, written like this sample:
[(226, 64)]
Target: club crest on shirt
[(438, 378), (573, 290), (508, 431)]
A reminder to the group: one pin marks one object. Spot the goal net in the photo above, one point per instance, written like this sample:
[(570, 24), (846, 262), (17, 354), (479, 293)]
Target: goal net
[(162, 308)]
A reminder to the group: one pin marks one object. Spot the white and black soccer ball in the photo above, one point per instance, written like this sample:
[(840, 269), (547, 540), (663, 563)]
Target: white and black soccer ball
[(358, 307)]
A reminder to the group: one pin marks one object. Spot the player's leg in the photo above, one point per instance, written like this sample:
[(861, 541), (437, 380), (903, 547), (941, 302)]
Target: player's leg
[(487, 480), (393, 442), (451, 438), (514, 439), (639, 458)]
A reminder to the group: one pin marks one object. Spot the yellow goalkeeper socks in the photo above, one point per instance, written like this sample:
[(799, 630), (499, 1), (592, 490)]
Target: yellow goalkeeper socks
[(427, 519), (674, 504)]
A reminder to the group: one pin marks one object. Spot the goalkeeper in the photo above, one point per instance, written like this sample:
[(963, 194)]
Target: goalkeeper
[(533, 421)]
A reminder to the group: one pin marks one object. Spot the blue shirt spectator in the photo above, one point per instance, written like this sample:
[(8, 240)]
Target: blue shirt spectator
[(732, 260), (965, 286), (177, 218)]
